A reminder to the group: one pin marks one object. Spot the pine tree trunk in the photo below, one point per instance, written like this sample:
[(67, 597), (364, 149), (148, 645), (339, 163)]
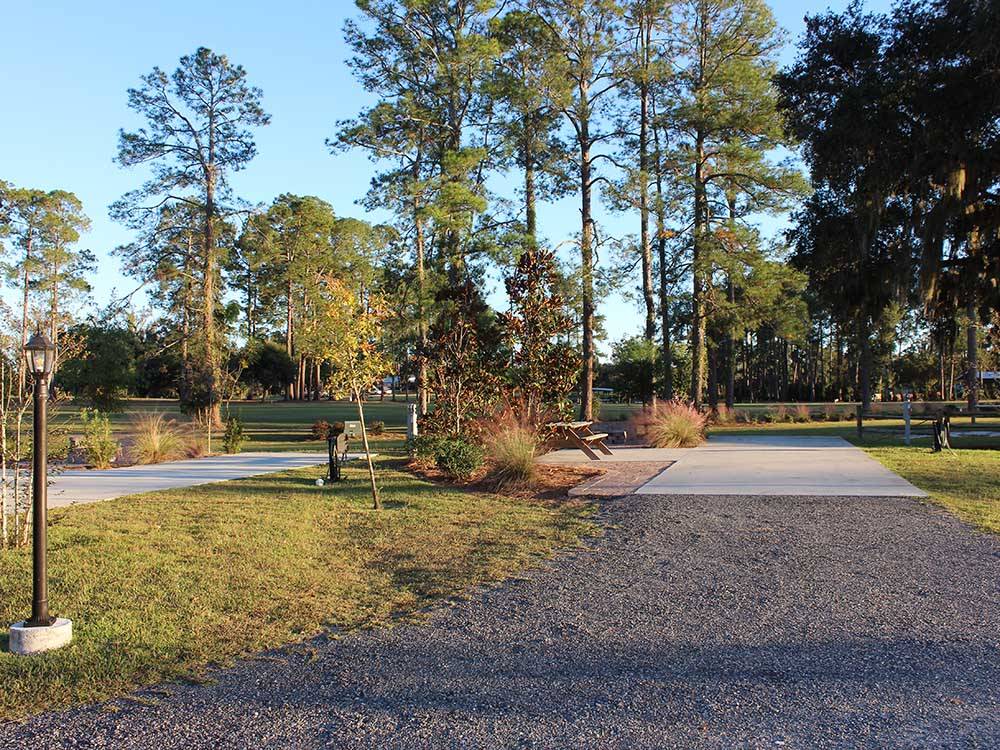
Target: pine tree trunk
[(698, 277), (300, 380), (661, 248), (184, 387), (645, 247), (289, 327), (971, 357), (713, 377), (587, 272), (942, 374), (530, 212), (730, 353), (211, 355), (54, 313), (864, 363), (423, 395)]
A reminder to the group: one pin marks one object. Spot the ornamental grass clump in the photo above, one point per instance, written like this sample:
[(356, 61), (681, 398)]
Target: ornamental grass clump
[(674, 424), (511, 450), (156, 439)]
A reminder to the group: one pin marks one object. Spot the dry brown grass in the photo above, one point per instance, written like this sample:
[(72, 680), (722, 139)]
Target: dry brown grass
[(156, 439), (673, 424)]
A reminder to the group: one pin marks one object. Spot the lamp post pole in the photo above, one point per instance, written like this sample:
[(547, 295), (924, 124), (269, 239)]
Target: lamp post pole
[(42, 632), (39, 495)]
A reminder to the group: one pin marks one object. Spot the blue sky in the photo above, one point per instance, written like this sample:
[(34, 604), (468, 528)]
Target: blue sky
[(66, 67)]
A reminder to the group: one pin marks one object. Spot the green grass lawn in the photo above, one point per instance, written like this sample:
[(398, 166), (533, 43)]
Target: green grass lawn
[(965, 481), (162, 585), (287, 426)]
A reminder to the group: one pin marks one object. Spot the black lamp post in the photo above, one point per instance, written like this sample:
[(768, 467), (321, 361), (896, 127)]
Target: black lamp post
[(39, 354)]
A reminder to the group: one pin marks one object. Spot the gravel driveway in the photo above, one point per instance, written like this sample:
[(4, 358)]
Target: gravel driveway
[(693, 622)]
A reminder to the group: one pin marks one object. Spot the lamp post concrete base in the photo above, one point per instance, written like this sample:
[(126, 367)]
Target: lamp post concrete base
[(26, 641)]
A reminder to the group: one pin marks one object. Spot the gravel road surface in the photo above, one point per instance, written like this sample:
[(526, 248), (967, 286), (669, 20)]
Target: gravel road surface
[(692, 622)]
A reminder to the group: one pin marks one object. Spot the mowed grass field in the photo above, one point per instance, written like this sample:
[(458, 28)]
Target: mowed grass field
[(164, 585)]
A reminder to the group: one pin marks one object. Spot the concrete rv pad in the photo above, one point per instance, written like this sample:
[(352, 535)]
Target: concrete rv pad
[(779, 465), (84, 486), (790, 465)]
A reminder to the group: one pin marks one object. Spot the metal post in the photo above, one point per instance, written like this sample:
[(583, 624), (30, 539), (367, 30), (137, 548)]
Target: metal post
[(39, 488), (907, 408)]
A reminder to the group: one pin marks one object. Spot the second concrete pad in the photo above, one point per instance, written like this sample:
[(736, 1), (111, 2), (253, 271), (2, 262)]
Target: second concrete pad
[(779, 465)]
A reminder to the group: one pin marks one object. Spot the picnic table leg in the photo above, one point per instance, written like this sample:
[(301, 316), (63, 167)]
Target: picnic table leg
[(582, 445), (599, 443), (937, 435)]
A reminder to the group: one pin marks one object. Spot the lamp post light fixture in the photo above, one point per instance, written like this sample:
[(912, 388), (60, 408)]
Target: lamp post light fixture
[(42, 632)]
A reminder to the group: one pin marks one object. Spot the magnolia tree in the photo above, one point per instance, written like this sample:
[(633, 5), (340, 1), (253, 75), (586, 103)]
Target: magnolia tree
[(344, 331)]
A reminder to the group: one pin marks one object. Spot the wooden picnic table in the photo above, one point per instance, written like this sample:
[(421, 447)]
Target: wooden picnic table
[(582, 437)]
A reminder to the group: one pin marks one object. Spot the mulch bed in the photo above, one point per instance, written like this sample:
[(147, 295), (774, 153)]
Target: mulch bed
[(553, 482), (619, 479)]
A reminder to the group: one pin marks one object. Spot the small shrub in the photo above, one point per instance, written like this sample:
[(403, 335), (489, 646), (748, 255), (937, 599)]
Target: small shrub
[(320, 429), (674, 425), (234, 436), (376, 427), (511, 450), (423, 448), (98, 445), (802, 413), (781, 414), (458, 458), (156, 439)]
